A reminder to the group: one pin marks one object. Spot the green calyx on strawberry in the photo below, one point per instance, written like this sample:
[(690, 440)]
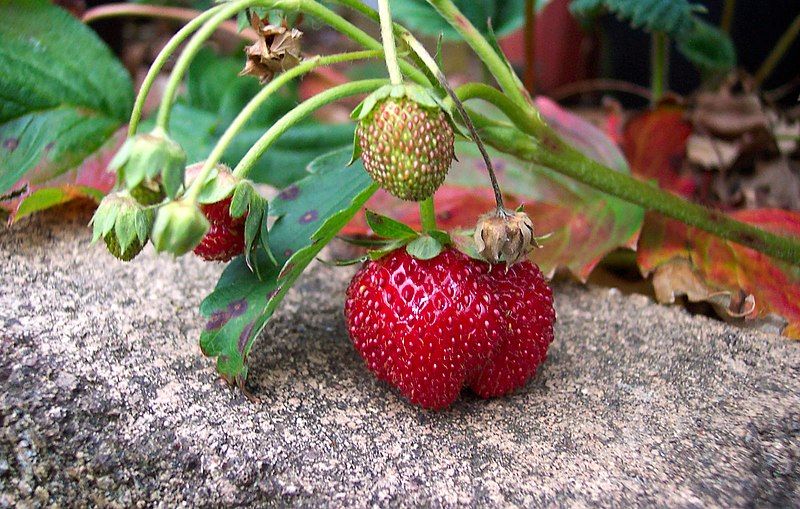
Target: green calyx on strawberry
[(393, 235), (150, 157), (405, 137), (123, 223)]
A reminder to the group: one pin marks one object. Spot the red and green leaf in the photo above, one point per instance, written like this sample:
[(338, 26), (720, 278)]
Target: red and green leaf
[(655, 144), (724, 266)]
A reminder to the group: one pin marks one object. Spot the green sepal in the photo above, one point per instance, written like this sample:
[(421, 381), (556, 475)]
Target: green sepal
[(389, 228), (393, 245), (356, 149), (121, 215), (424, 247), (179, 227), (365, 242), (246, 199), (150, 156), (343, 263), (464, 242), (425, 97)]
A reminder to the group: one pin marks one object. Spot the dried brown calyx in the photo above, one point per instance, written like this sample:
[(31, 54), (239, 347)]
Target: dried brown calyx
[(505, 236), (277, 49)]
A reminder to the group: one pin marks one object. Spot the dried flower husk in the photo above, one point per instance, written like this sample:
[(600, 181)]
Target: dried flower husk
[(277, 49), (505, 236)]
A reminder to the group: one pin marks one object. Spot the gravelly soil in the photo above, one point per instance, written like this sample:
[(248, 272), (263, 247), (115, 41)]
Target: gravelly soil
[(105, 400)]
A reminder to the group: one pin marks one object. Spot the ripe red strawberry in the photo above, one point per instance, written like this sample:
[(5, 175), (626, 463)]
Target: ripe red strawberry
[(225, 238), (406, 147), (431, 327)]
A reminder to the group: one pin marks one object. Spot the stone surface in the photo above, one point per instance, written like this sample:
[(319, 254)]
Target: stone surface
[(106, 400)]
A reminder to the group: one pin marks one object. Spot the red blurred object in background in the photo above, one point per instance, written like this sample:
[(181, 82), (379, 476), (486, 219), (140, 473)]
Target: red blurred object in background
[(564, 53)]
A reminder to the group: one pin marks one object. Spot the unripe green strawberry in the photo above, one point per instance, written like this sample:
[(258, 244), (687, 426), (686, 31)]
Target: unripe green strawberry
[(123, 223), (126, 255), (406, 144)]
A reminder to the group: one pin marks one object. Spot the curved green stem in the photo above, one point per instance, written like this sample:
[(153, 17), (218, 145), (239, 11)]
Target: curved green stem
[(431, 64), (527, 120), (427, 215), (297, 114), (553, 153), (188, 54), (354, 33), (389, 48), (777, 53), (160, 61), (259, 99), (506, 78), (568, 161)]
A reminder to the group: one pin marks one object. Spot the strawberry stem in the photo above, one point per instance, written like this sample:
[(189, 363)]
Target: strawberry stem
[(659, 66), (268, 91), (389, 48), (182, 65), (160, 61), (427, 214), (431, 64)]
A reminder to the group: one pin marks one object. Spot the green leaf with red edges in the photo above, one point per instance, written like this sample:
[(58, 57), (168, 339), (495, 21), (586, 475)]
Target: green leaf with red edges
[(655, 144), (63, 96), (730, 267), (586, 224)]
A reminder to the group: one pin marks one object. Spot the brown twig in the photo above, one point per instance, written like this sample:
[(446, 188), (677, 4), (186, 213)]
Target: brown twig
[(156, 11), (599, 85)]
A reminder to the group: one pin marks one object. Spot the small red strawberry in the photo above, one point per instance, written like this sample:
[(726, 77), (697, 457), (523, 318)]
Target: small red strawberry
[(225, 239), (431, 327)]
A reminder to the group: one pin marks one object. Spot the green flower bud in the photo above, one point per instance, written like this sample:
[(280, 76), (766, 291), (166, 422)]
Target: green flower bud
[(150, 156), (180, 226), (123, 223)]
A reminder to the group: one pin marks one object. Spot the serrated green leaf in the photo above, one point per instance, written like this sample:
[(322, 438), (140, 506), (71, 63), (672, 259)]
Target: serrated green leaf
[(672, 17), (55, 110), (424, 247), (388, 228), (242, 303)]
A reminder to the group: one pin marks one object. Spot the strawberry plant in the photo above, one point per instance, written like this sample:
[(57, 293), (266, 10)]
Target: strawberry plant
[(434, 309)]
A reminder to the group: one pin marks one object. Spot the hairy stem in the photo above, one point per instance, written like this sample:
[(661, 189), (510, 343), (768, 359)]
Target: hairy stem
[(182, 65), (429, 61), (160, 61), (659, 66), (568, 161), (299, 113), (530, 45), (356, 34), (427, 215), (259, 99), (505, 77), (389, 48), (780, 49)]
